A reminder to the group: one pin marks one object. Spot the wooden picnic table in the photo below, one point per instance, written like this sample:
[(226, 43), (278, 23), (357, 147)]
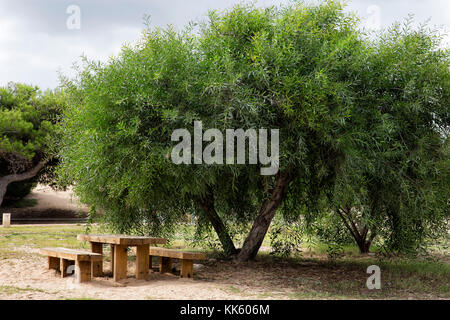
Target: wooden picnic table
[(119, 244)]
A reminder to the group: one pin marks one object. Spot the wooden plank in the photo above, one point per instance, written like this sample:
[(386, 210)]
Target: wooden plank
[(120, 239), (142, 263), (176, 254), (111, 239), (120, 262), (97, 266), (83, 271), (187, 269), (165, 265), (71, 254)]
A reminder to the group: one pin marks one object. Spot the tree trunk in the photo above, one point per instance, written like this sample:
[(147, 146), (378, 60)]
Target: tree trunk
[(6, 180), (207, 205), (262, 222), (360, 236), (3, 187), (363, 246)]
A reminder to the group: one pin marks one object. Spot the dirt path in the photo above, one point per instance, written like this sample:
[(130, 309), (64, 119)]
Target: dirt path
[(46, 203), (47, 198)]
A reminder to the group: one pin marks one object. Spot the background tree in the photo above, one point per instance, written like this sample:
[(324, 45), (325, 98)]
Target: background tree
[(393, 181), (28, 120), (400, 125)]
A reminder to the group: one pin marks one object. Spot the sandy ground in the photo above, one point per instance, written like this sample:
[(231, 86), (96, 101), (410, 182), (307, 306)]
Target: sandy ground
[(27, 277), (30, 279)]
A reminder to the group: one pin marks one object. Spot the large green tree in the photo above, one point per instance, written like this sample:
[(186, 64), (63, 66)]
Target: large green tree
[(248, 68)]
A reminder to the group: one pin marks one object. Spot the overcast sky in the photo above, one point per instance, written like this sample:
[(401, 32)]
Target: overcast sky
[(38, 38)]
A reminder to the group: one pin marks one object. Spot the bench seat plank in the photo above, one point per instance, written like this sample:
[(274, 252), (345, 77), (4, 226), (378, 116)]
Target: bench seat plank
[(71, 254), (187, 260), (176, 254)]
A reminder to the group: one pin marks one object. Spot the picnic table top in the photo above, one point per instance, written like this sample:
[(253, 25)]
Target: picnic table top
[(120, 239)]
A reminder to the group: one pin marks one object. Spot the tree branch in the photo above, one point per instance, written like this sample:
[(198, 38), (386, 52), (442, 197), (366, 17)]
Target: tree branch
[(355, 228), (339, 211), (25, 175)]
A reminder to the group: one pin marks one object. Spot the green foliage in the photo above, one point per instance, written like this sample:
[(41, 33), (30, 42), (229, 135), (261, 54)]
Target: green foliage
[(396, 171), (394, 174), (363, 123), (248, 68), (285, 239), (330, 230), (202, 237)]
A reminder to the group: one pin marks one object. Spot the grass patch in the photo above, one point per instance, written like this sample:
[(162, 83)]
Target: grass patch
[(319, 278), (9, 290), (316, 295), (234, 290), (42, 236)]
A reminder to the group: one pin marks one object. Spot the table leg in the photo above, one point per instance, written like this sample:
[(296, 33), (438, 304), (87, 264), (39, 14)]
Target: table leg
[(53, 263), (97, 266), (165, 265), (142, 263), (187, 269), (120, 262), (82, 271), (112, 258)]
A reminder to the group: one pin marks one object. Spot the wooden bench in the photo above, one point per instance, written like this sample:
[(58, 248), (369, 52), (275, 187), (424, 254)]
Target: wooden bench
[(61, 258), (187, 260)]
